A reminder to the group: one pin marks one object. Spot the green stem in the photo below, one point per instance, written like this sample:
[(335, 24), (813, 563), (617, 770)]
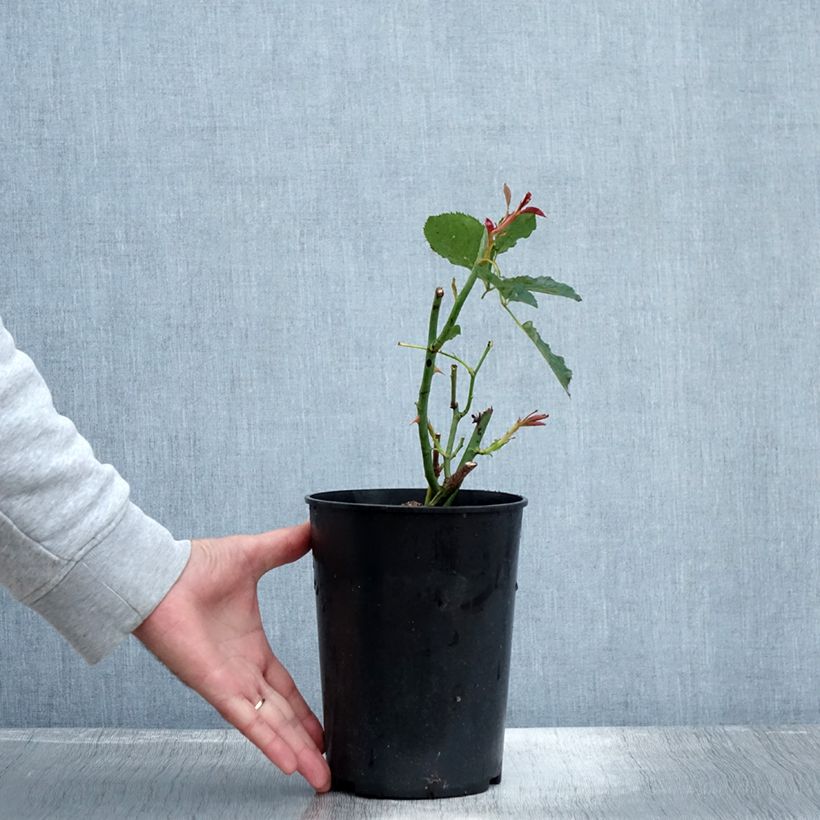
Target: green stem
[(455, 420), (440, 353), (424, 394), (452, 484), (504, 304), (458, 416), (449, 500), (473, 374), (473, 446), (435, 341), (475, 439), (459, 302)]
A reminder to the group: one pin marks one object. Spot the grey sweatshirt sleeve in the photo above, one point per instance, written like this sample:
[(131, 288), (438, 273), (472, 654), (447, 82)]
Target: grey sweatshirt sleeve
[(72, 545)]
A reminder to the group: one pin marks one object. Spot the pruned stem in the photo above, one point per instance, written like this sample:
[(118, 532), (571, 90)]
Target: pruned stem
[(455, 480), (481, 422), (448, 491), (452, 483)]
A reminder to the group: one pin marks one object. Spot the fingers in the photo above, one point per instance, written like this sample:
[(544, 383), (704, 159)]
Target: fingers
[(278, 735), (279, 679), (277, 547), (245, 718), (276, 711)]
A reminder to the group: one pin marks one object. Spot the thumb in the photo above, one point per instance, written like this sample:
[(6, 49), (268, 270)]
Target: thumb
[(282, 546)]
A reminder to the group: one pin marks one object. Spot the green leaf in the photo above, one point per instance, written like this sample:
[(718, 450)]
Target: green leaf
[(516, 292), (456, 237), (520, 228), (521, 288), (486, 275), (454, 331), (539, 284), (556, 363)]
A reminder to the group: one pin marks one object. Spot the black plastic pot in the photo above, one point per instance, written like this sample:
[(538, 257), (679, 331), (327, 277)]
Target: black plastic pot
[(415, 616)]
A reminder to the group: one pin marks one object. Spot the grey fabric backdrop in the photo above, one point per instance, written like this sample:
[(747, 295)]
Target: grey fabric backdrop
[(211, 243)]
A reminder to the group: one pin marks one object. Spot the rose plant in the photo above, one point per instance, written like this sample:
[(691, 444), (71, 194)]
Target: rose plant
[(466, 242), (415, 587)]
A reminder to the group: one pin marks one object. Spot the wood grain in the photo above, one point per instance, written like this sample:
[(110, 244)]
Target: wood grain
[(717, 772)]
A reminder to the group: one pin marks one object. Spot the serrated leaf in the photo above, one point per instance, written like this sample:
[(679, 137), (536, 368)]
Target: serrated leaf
[(541, 284), (556, 363), (516, 292), (457, 237), (454, 331), (520, 228)]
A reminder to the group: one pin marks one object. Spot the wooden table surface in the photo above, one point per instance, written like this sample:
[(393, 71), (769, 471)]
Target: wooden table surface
[(634, 772)]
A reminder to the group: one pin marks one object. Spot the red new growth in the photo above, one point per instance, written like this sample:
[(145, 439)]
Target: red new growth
[(509, 218), (534, 419)]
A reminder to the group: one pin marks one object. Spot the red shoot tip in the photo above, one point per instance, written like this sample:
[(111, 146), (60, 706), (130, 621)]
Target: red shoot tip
[(534, 419), (524, 201)]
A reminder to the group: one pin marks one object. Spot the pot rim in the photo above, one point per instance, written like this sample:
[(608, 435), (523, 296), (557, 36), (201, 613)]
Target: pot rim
[(325, 498)]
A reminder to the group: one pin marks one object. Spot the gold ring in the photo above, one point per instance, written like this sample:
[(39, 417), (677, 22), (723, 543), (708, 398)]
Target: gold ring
[(259, 705)]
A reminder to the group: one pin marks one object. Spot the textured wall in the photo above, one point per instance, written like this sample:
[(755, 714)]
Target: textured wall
[(211, 243)]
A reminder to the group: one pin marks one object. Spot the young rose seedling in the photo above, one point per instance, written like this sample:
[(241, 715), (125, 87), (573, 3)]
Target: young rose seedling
[(467, 243)]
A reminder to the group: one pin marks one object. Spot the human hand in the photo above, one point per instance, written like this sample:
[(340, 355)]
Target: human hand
[(208, 632)]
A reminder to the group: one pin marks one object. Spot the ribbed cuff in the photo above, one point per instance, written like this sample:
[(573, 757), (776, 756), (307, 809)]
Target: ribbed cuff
[(115, 586)]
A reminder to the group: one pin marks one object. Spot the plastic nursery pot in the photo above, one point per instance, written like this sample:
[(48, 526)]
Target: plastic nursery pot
[(415, 616)]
